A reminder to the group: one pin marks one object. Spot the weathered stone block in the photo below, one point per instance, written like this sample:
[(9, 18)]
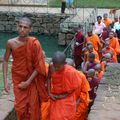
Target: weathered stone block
[(61, 38), (61, 42), (36, 24), (43, 26), (35, 29), (49, 25), (14, 28), (70, 36), (2, 28), (8, 27), (39, 19)]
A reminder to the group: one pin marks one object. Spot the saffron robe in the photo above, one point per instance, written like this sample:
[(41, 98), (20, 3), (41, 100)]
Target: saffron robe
[(82, 93), (115, 44), (94, 39), (64, 81), (26, 59), (110, 49), (96, 55), (45, 107), (107, 22)]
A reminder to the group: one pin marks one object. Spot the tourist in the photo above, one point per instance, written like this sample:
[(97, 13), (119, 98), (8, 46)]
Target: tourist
[(70, 3), (99, 26), (28, 72), (117, 28), (63, 6)]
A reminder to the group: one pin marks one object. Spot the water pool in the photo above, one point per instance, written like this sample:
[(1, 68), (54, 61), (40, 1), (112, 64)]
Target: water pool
[(49, 43)]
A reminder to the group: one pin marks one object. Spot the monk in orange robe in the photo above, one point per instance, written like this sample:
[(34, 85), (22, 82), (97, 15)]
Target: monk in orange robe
[(108, 49), (91, 50), (45, 107), (82, 95), (94, 39), (91, 63), (98, 71), (106, 20), (64, 83), (114, 42), (28, 72)]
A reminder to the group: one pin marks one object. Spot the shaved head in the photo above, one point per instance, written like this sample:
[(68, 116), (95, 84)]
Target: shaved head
[(107, 56), (91, 72), (90, 46), (26, 20), (98, 67), (59, 58), (70, 62), (91, 55)]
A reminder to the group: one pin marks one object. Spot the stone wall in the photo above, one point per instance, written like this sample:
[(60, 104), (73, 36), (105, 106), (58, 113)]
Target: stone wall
[(107, 102), (42, 23)]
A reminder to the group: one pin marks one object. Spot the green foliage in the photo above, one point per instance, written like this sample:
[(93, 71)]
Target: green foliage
[(89, 3)]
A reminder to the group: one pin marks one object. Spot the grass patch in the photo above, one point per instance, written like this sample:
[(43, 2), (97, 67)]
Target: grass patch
[(89, 3)]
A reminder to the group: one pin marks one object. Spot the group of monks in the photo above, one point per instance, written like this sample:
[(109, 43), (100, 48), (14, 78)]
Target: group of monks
[(57, 90), (93, 53)]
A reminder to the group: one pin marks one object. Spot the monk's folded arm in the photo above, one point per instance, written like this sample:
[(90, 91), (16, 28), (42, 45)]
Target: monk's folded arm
[(62, 96), (33, 75)]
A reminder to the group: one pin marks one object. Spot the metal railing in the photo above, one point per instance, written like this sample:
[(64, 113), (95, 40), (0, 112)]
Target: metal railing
[(69, 49), (86, 24)]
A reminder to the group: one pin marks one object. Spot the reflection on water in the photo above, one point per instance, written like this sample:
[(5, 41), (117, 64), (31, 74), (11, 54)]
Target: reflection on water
[(49, 43)]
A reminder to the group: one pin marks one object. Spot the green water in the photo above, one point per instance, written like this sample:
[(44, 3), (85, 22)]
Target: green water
[(49, 43)]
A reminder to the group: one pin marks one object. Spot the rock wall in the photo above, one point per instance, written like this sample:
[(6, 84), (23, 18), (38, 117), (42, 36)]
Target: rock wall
[(42, 23), (107, 102)]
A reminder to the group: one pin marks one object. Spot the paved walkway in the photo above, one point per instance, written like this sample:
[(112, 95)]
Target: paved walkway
[(80, 13), (28, 2)]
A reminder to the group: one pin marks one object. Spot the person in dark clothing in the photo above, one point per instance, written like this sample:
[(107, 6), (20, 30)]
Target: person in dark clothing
[(63, 6)]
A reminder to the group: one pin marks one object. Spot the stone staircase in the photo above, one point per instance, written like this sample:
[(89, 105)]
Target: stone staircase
[(81, 17)]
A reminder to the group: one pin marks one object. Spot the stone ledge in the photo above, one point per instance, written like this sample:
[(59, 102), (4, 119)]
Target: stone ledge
[(107, 102), (7, 106)]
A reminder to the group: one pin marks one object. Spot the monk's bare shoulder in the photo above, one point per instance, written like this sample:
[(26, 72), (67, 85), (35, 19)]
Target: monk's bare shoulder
[(11, 42)]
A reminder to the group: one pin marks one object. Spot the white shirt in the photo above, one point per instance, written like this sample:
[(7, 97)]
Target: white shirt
[(116, 26), (99, 27)]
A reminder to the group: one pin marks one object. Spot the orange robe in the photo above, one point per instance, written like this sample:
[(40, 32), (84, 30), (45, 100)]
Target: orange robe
[(82, 93), (96, 56), (99, 74), (26, 59), (107, 22), (64, 81), (45, 105), (45, 109), (115, 44), (102, 66), (94, 39), (110, 49)]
